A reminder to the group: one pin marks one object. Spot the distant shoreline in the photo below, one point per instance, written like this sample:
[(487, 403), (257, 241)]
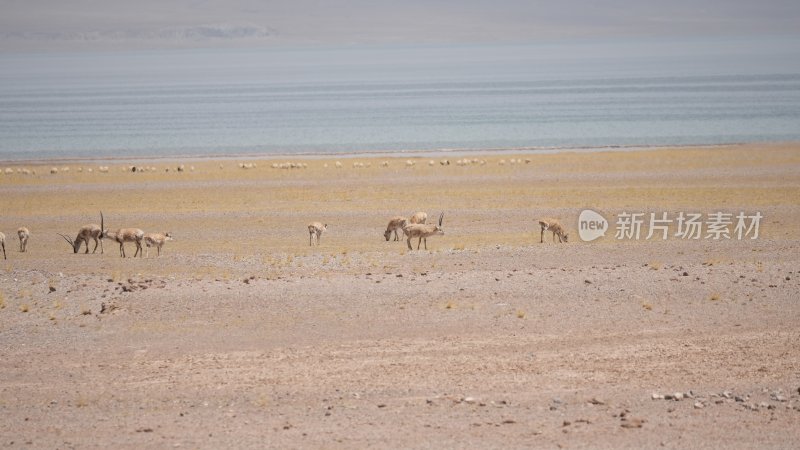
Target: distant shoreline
[(411, 153)]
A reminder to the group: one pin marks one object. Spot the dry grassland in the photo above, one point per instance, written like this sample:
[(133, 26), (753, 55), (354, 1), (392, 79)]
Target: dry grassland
[(241, 335), (221, 208)]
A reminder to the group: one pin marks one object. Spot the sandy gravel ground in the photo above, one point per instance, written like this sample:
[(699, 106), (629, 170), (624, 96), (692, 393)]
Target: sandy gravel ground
[(241, 335)]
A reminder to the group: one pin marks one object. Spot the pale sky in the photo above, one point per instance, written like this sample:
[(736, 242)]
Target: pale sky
[(113, 24)]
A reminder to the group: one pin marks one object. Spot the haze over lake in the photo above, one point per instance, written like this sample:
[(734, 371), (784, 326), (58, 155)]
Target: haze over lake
[(398, 97)]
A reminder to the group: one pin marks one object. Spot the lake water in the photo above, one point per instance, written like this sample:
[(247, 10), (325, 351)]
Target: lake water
[(328, 100)]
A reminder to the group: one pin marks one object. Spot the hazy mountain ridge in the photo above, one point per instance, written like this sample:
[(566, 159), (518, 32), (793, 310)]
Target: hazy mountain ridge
[(175, 34), (146, 24)]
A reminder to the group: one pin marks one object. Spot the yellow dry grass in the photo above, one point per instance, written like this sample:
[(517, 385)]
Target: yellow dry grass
[(252, 214)]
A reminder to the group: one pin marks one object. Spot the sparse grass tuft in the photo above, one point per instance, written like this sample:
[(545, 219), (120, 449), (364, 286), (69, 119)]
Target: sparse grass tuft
[(520, 314), (714, 297), (647, 306), (2, 300), (459, 246), (23, 308), (263, 400), (450, 304), (655, 265)]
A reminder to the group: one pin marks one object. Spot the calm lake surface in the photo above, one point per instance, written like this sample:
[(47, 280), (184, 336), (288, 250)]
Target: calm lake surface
[(395, 98)]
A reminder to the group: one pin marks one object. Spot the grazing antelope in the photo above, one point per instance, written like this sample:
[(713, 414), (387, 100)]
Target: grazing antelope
[(23, 234), (419, 217), (90, 231), (3, 244), (156, 240), (553, 225), (122, 236), (315, 229), (422, 232), (397, 223)]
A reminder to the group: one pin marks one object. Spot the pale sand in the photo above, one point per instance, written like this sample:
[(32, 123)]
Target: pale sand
[(240, 335)]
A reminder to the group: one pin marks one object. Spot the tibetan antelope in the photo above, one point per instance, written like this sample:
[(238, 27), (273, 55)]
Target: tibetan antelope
[(156, 240), (548, 224), (419, 217), (122, 236), (3, 244), (91, 231), (315, 229), (397, 223), (23, 234), (422, 232)]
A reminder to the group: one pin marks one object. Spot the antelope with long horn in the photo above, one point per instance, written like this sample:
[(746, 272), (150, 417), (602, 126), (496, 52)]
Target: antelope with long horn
[(90, 231), (422, 232), (122, 236), (23, 234), (3, 244)]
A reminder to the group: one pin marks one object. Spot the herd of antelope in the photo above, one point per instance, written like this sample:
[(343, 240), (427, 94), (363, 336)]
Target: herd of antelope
[(97, 233), (414, 227)]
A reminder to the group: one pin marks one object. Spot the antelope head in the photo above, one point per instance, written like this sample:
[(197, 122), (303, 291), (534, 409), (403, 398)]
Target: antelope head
[(437, 229), (74, 244)]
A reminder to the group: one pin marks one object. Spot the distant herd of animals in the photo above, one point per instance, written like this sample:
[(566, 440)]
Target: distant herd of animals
[(414, 227), (410, 163), (97, 233)]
